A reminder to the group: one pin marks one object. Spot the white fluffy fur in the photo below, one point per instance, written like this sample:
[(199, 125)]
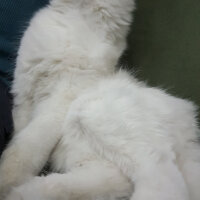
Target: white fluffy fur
[(102, 130)]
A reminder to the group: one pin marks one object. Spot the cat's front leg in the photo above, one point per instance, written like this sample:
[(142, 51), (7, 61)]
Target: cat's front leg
[(28, 152)]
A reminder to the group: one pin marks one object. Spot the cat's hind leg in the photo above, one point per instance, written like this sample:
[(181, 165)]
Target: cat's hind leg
[(187, 146), (118, 131), (92, 181), (189, 163), (159, 181)]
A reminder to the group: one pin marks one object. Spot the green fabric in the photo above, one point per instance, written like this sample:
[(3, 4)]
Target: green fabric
[(164, 46)]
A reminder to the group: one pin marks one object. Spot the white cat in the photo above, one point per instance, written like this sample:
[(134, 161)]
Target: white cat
[(69, 46), (102, 130)]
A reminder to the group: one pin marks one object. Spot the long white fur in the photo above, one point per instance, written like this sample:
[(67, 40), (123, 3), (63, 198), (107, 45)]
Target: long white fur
[(102, 130), (150, 135)]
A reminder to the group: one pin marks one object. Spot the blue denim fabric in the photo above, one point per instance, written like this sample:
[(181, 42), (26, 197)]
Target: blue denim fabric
[(14, 18)]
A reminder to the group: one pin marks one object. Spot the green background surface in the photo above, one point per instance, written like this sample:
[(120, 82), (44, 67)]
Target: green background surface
[(164, 46)]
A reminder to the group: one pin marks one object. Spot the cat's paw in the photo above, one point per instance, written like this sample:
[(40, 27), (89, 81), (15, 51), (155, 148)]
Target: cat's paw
[(7, 182), (36, 189), (25, 193), (11, 170), (14, 195)]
